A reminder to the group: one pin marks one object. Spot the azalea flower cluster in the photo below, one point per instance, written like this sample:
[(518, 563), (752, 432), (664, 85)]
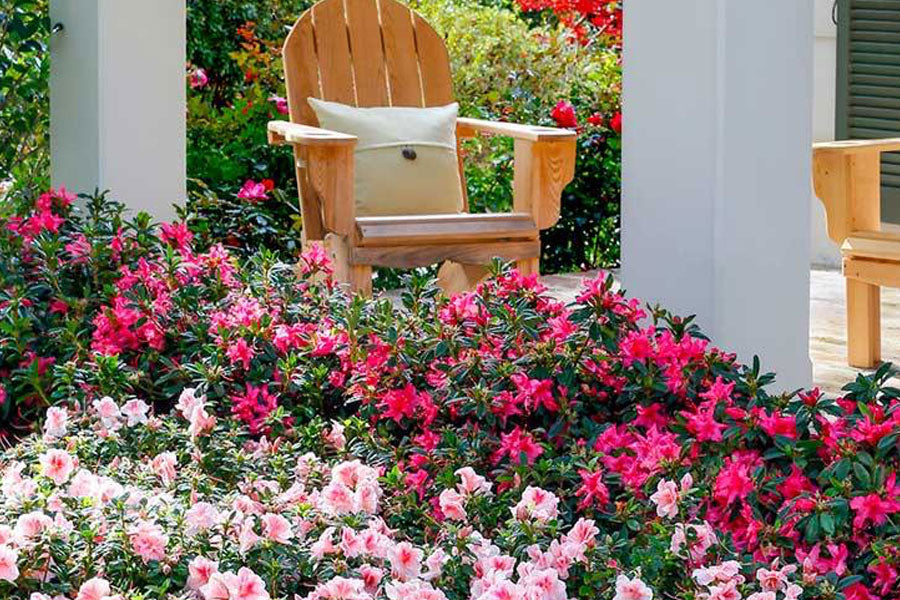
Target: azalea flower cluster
[(589, 20), (119, 503)]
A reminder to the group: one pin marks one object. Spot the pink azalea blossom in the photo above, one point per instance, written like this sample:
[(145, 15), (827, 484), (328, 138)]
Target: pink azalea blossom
[(253, 191), (9, 570), (199, 79), (666, 499), (200, 569), (536, 504), (276, 528), (164, 466), (57, 465), (94, 589), (148, 541), (56, 421), (632, 589)]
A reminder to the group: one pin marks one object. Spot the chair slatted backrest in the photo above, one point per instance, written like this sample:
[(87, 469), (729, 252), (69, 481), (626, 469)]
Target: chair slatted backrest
[(364, 53)]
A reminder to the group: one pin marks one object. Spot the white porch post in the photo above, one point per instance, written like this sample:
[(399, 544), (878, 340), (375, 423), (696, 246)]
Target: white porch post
[(117, 100), (716, 170)]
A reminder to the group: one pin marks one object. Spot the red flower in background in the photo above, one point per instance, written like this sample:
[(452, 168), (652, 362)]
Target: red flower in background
[(596, 119), (564, 115), (616, 122)]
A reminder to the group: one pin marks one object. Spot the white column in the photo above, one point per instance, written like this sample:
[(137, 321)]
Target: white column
[(825, 253), (117, 100), (716, 170)]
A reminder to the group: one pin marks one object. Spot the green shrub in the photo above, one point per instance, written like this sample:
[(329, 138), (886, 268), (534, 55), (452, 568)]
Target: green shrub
[(24, 94)]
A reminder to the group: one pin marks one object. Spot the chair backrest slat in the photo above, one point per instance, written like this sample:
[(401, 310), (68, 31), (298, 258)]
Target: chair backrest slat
[(434, 64), (302, 79), (400, 55), (370, 75), (333, 52)]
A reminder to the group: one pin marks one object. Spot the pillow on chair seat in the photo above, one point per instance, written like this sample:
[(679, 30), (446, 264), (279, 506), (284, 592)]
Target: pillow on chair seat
[(406, 162)]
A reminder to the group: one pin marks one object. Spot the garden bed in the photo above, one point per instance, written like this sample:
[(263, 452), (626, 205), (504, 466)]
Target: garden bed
[(246, 430)]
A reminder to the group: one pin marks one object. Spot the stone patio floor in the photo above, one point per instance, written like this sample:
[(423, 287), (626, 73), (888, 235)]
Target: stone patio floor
[(828, 336)]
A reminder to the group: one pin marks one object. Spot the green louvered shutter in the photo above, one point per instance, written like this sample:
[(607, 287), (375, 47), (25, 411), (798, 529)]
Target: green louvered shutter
[(868, 84)]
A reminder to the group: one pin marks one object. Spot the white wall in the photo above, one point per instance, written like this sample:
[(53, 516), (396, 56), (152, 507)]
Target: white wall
[(718, 127), (118, 101), (824, 252)]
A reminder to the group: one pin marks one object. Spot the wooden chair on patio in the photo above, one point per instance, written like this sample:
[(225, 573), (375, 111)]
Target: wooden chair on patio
[(847, 178), (370, 53)]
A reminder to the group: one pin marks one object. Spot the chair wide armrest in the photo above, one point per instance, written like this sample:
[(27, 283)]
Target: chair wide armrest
[(285, 132), (854, 146), (466, 128)]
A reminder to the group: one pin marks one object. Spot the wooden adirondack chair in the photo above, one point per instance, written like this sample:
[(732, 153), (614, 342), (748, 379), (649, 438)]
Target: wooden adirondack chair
[(380, 53), (847, 179)]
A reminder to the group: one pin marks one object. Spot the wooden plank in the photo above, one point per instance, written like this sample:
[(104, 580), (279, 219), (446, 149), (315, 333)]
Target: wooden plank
[(831, 171), (285, 132), (301, 76), (358, 278), (434, 64), (863, 323), (876, 272), (301, 71), (407, 257), (331, 173), (540, 173), (400, 54), (333, 51), (854, 146), (367, 53), (446, 229), (454, 277), (466, 127)]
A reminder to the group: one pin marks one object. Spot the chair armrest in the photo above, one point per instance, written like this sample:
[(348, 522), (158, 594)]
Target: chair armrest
[(466, 128), (853, 146), (847, 179), (286, 132)]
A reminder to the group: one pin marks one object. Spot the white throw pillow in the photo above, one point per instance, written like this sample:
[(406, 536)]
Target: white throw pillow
[(406, 161)]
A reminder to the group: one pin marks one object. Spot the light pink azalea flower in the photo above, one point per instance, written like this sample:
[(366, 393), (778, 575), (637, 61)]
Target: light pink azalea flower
[(57, 465), (200, 517), (108, 411), (200, 569), (406, 561), (276, 528), (9, 570), (135, 412), (148, 541), (472, 482), (164, 466), (536, 504), (666, 499), (93, 589), (57, 419), (31, 525), (452, 504), (632, 589)]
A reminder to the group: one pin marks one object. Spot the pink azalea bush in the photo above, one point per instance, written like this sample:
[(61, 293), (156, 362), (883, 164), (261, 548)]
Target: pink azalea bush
[(88, 514), (500, 411)]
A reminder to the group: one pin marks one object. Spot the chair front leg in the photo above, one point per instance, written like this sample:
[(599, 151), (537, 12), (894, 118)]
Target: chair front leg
[(863, 324)]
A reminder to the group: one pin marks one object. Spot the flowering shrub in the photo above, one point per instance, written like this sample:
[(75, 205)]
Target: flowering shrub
[(120, 503), (592, 21), (57, 261), (25, 93)]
